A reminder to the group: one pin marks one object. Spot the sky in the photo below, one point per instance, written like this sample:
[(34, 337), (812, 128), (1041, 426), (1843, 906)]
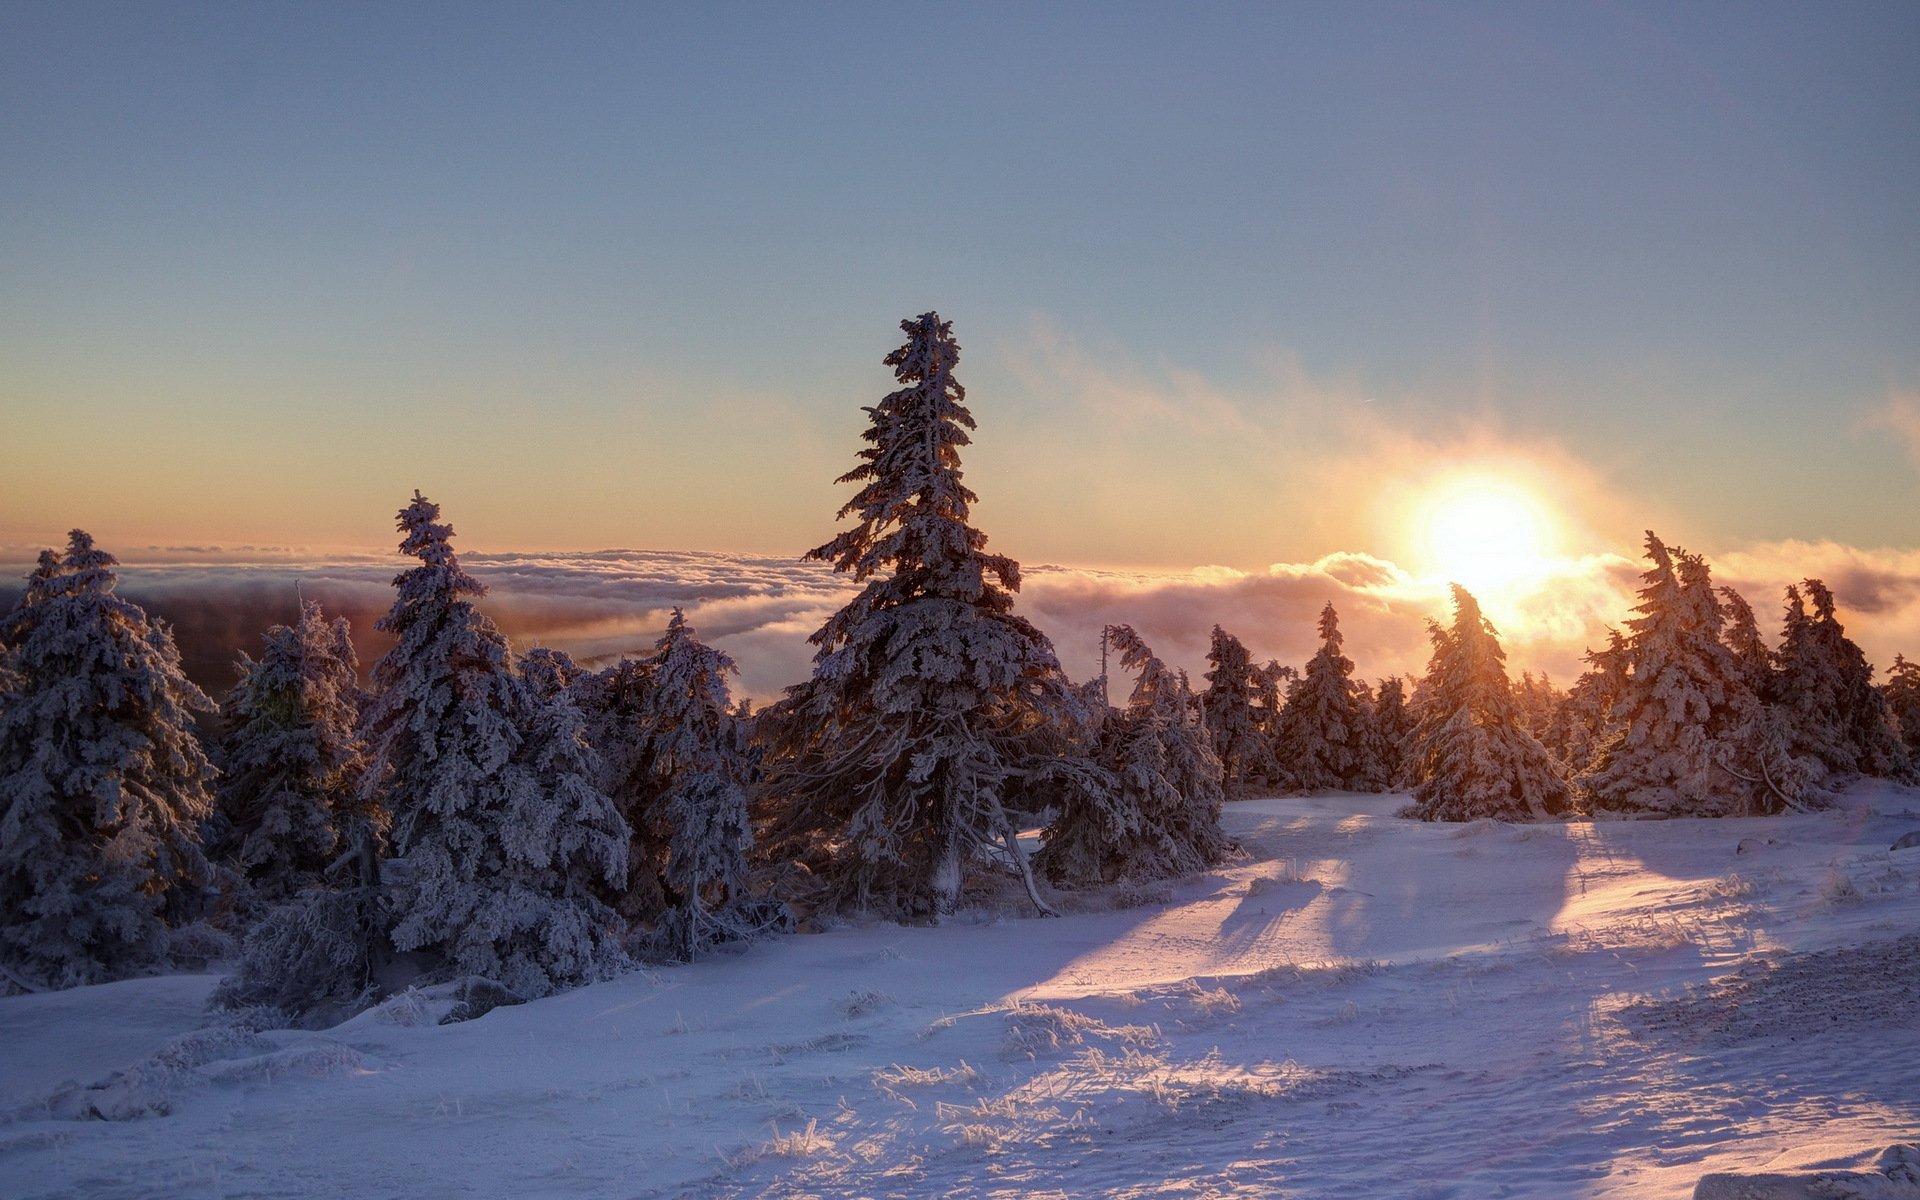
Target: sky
[(1239, 287)]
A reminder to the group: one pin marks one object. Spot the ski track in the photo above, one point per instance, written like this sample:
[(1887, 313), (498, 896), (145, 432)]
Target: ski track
[(1357, 1006)]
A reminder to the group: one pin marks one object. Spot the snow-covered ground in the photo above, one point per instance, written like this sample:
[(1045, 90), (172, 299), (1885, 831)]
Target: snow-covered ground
[(1359, 1006)]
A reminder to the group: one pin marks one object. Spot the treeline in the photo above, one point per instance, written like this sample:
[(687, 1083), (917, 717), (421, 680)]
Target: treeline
[(469, 813)]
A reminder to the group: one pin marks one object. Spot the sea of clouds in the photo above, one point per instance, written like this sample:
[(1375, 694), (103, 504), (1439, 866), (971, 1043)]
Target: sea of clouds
[(601, 605)]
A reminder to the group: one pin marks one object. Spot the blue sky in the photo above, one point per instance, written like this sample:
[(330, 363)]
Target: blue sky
[(622, 275)]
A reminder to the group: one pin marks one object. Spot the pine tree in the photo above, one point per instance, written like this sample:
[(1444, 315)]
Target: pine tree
[(1229, 708), (1320, 728), (1583, 721), (103, 786), (1689, 736), (1472, 755), (1536, 701), (930, 699), (1836, 716), (498, 824), (1387, 734), (1902, 694), (1154, 811), (696, 752), (289, 761), (550, 673)]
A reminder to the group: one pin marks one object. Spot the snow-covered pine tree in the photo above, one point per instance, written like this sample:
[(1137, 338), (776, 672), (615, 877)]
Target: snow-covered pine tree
[(695, 750), (1537, 700), (1583, 722), (1155, 811), (1387, 735), (1836, 716), (1472, 756), (616, 701), (290, 763), (103, 786), (1686, 738), (1902, 693), (1228, 706), (1742, 636), (550, 673), (498, 823), (930, 698), (1320, 727)]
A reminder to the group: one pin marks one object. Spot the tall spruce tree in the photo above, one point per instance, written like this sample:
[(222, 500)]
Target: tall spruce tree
[(290, 762), (1321, 726), (1472, 755), (930, 699), (1153, 812), (103, 786), (496, 814)]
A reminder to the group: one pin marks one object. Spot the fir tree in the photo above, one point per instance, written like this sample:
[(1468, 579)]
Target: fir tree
[(1689, 737), (1388, 734), (696, 753), (1472, 755), (496, 814), (1583, 721), (1154, 811), (1837, 717), (930, 699), (1229, 708), (290, 763), (1902, 694), (1320, 728), (103, 786), (550, 673)]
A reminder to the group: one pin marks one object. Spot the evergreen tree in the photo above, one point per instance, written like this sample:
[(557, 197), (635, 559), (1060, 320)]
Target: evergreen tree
[(1472, 755), (1154, 811), (1536, 700), (550, 673), (696, 753), (497, 819), (930, 699), (1583, 721), (1320, 728), (617, 702), (103, 786), (1228, 705), (1742, 637), (1689, 737), (290, 763), (1902, 694), (1388, 734), (1837, 718)]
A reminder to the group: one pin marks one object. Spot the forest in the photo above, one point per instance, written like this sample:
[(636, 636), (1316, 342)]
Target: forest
[(505, 818)]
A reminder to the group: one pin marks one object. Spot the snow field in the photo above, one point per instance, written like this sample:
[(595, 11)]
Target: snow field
[(1357, 1006)]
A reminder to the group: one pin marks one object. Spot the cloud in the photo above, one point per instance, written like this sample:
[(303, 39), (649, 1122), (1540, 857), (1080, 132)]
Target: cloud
[(601, 605), (1901, 415)]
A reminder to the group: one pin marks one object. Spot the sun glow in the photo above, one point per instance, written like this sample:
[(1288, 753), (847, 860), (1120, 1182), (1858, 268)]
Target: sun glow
[(1486, 533)]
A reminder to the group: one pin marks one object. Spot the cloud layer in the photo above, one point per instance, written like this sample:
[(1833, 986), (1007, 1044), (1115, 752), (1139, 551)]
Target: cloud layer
[(601, 605)]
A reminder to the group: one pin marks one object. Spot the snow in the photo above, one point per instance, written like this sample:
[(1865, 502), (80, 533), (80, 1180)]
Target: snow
[(1359, 1005)]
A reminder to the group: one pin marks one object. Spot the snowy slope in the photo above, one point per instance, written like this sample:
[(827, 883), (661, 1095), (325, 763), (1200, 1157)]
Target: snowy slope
[(1360, 1006)]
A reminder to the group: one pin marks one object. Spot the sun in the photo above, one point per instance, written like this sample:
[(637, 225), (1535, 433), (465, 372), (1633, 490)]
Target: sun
[(1488, 534)]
